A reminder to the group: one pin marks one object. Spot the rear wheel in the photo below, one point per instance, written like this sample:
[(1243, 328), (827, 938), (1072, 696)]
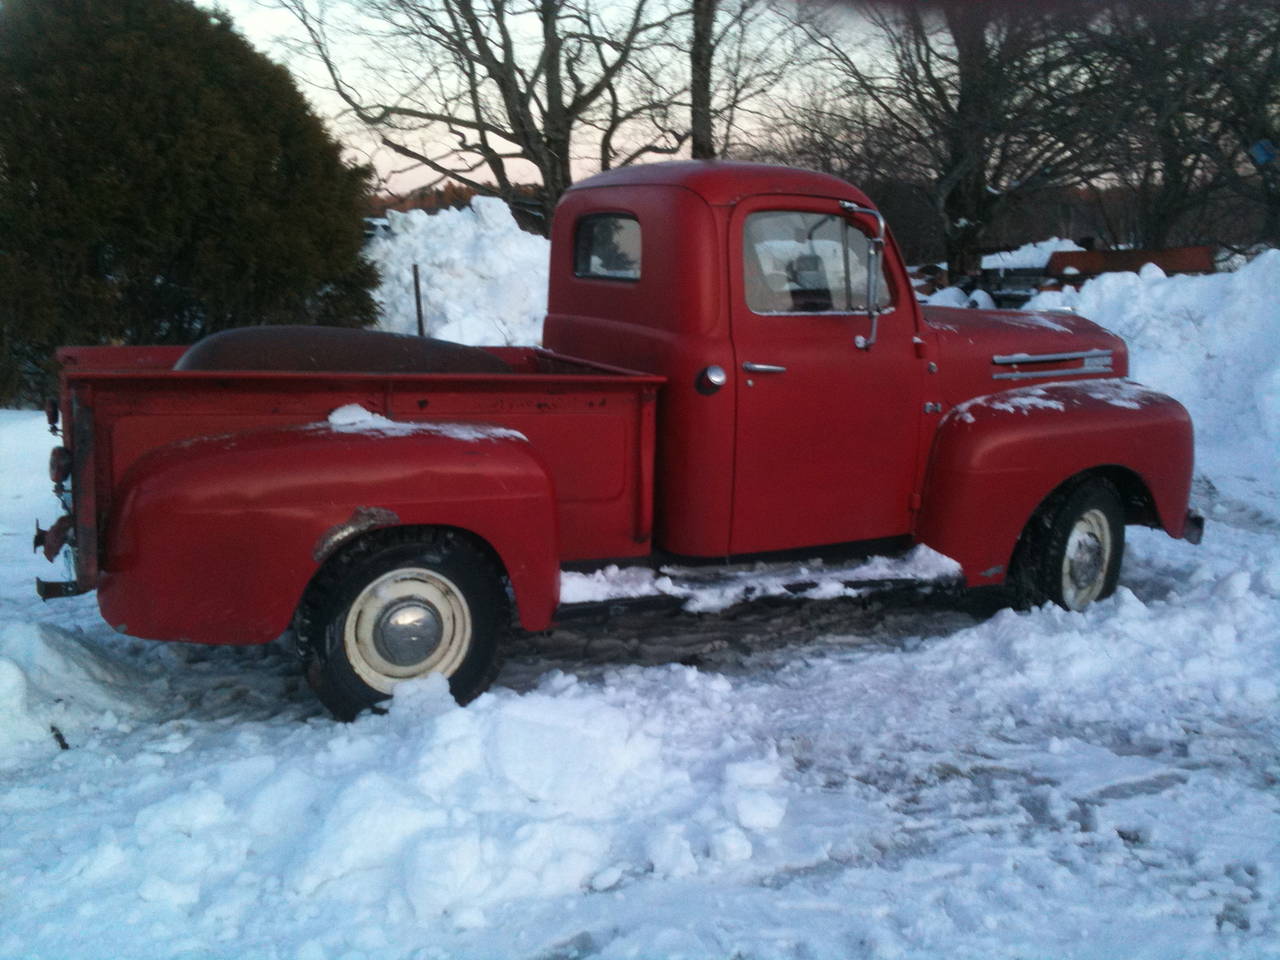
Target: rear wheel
[(1071, 551), (387, 611)]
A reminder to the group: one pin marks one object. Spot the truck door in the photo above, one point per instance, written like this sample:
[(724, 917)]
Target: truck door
[(826, 430)]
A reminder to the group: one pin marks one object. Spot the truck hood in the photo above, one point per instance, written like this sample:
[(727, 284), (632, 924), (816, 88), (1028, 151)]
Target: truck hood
[(985, 351)]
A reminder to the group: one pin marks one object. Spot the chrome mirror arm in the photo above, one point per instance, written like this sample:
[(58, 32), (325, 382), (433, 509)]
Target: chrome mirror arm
[(875, 252)]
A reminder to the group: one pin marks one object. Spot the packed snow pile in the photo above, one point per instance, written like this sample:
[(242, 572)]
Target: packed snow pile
[(977, 299), (50, 678), (1213, 342), (1029, 255), (483, 280)]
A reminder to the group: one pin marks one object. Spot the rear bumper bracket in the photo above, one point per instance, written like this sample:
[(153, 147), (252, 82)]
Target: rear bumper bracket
[(1193, 527)]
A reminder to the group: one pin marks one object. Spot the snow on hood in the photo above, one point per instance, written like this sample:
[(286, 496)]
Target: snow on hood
[(977, 350)]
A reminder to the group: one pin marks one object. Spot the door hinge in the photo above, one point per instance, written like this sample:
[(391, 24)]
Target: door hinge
[(916, 502)]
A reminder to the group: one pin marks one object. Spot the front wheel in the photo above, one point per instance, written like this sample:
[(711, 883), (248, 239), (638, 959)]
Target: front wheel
[(386, 612), (1071, 551)]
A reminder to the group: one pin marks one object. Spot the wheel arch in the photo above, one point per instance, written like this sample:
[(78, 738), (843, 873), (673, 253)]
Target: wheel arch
[(1135, 495)]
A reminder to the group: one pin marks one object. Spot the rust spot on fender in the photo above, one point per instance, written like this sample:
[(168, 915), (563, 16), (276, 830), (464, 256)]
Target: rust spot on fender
[(362, 519)]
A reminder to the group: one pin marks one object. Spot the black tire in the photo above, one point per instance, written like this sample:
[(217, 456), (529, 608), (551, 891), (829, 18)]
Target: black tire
[(1072, 548), (400, 605)]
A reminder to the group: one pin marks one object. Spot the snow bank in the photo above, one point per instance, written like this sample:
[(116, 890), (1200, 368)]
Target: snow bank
[(910, 785), (50, 678), (1028, 255), (484, 281), (1042, 784), (1213, 342)]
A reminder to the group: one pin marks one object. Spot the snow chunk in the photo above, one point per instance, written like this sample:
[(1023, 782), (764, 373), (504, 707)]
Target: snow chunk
[(1020, 400), (484, 280)]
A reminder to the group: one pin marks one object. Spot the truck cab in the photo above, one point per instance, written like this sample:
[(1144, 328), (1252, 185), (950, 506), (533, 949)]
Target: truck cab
[(798, 412), (814, 435)]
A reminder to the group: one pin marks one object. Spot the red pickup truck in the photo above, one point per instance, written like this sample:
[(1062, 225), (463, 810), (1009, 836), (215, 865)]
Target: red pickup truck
[(733, 365)]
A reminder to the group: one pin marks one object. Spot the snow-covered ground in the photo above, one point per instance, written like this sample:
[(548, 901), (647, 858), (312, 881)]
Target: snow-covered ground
[(825, 783)]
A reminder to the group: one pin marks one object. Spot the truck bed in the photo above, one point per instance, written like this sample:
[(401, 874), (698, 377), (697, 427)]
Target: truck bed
[(593, 426)]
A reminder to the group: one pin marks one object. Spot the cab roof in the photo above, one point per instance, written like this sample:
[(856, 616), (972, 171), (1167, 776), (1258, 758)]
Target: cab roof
[(722, 182)]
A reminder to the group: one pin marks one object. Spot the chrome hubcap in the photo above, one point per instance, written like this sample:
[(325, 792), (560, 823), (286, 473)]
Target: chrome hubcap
[(406, 623), (407, 632), (1087, 559)]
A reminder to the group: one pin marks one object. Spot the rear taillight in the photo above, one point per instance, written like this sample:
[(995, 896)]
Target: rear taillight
[(59, 464)]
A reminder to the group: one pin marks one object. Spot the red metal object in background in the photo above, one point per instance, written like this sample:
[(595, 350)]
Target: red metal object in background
[(1076, 266)]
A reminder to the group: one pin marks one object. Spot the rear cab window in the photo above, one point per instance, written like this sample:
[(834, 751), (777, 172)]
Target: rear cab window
[(607, 247)]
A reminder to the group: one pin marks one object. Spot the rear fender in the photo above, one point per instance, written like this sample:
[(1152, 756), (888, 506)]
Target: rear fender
[(215, 540), (996, 458)]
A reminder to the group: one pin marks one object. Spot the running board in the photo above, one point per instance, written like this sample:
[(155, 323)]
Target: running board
[(602, 594)]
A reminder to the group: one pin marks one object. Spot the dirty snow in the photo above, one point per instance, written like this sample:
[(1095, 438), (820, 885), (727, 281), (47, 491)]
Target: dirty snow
[(913, 783)]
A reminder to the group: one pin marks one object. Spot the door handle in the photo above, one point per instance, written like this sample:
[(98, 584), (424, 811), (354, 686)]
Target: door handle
[(763, 368)]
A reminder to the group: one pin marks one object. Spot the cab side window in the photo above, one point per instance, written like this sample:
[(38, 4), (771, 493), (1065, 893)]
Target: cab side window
[(802, 262), (607, 247)]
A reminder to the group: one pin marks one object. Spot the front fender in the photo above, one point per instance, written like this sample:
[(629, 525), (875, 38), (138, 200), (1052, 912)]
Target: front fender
[(996, 458), (215, 540)]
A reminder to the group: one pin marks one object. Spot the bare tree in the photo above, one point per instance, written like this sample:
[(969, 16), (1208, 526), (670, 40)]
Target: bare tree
[(701, 53), (1159, 67), (496, 93), (978, 101), (1248, 103), (757, 49)]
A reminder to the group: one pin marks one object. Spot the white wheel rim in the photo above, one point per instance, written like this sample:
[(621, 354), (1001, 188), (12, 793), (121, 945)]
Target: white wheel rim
[(408, 622), (1086, 561)]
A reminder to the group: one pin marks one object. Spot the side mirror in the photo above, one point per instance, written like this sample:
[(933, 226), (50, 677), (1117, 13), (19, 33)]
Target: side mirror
[(875, 258)]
